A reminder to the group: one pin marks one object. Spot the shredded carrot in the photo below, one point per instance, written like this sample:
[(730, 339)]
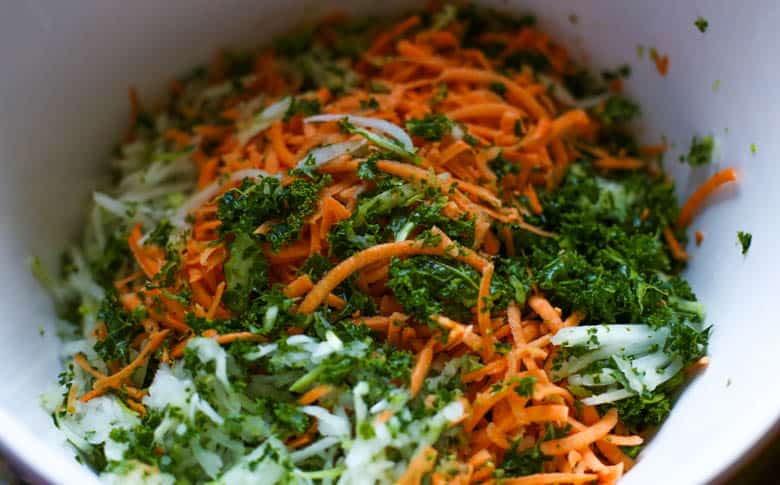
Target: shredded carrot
[(617, 440), (533, 200), (115, 380), (421, 367), (421, 464), (483, 310), (552, 478), (619, 163), (661, 62), (298, 287), (227, 338), (544, 309), (71, 400), (148, 260), (314, 394), (583, 438), (653, 150), (696, 200), (678, 252), (215, 302)]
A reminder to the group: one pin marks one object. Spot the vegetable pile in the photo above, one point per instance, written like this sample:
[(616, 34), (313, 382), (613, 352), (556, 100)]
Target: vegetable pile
[(427, 251)]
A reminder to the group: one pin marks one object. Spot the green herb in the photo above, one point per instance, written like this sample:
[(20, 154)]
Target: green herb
[(160, 235), (302, 107), (440, 95), (618, 109), (470, 139), (246, 272), (520, 58), (431, 127), (701, 23), (525, 388), (745, 238), (700, 152), (753, 149), (582, 84), (498, 88), (243, 209), (121, 327), (427, 285), (640, 412), (503, 167), (369, 104), (621, 72)]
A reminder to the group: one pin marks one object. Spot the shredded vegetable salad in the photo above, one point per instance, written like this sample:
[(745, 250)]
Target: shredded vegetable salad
[(421, 251)]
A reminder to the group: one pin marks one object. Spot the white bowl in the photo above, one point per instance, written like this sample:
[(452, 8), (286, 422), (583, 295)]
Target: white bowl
[(66, 68)]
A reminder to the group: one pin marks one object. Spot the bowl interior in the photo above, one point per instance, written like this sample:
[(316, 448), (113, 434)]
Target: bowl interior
[(63, 106)]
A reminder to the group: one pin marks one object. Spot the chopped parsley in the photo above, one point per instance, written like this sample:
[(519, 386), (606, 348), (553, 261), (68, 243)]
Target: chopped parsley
[(525, 388), (700, 152), (745, 239), (702, 24), (431, 127)]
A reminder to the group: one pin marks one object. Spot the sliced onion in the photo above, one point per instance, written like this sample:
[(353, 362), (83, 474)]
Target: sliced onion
[(272, 113), (208, 193), (315, 448), (329, 424), (457, 132), (380, 125), (110, 204), (327, 153), (609, 396), (563, 95)]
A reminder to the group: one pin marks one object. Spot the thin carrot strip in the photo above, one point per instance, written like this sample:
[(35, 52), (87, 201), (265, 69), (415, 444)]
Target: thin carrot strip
[(545, 413), (314, 394), (614, 455), (70, 402), (227, 338), (544, 309), (514, 90), (421, 367), (149, 265), (116, 379), (484, 110), (552, 478), (678, 252), (495, 367), (497, 436), (215, 302), (617, 440), (562, 125), (696, 200), (298, 287), (416, 174), (483, 310), (583, 438), (280, 147), (421, 464), (619, 163), (533, 199)]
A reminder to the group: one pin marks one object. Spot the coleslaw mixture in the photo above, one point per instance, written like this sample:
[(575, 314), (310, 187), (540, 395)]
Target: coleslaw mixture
[(422, 251)]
